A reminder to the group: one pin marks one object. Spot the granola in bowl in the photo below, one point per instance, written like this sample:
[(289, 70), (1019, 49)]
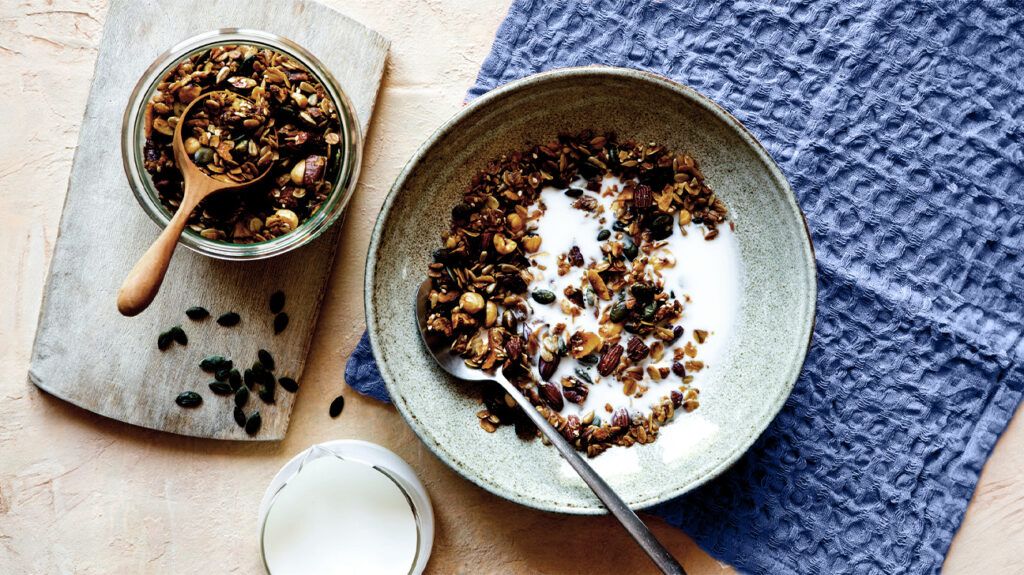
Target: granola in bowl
[(562, 268)]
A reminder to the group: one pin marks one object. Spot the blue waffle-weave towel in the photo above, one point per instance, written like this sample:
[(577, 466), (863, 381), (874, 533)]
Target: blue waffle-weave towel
[(900, 126)]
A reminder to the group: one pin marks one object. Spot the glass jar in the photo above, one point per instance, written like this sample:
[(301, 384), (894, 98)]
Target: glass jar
[(133, 139)]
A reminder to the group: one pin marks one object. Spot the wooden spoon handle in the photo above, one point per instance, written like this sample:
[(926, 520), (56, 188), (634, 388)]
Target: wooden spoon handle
[(143, 282)]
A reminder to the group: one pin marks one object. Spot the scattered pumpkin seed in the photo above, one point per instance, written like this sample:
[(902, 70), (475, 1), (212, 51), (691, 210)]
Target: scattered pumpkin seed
[(543, 296), (276, 302), (280, 322), (289, 384), (266, 359), (212, 363), (242, 396), (178, 335), (337, 405), (221, 388), (222, 374), (239, 416), (189, 399), (229, 319), (253, 424), (249, 378), (267, 393), (164, 341), (603, 235), (574, 192), (234, 379), (197, 313)]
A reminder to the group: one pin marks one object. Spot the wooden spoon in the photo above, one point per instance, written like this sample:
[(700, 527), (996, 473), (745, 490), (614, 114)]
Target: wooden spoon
[(143, 282)]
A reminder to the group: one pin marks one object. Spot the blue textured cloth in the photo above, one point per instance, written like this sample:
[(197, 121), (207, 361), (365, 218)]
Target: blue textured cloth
[(900, 126)]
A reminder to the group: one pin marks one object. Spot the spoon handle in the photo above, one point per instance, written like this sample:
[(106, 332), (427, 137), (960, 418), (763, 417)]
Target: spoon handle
[(636, 528), (143, 282)]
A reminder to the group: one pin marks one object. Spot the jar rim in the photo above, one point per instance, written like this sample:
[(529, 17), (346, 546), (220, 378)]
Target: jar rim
[(142, 185)]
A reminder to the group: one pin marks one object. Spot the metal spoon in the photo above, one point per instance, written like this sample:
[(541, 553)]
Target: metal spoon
[(454, 365), (143, 282)]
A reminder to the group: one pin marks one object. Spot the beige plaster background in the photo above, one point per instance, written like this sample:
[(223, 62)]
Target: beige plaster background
[(83, 494)]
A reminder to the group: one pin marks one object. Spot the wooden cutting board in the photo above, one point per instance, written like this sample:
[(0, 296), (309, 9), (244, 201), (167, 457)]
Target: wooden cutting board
[(88, 354)]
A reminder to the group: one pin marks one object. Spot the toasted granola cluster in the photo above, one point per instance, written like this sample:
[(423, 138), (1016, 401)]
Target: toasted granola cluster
[(483, 279)]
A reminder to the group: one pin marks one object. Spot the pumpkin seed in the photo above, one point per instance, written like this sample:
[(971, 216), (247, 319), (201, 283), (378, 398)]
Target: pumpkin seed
[(249, 378), (221, 388), (178, 335), (164, 341), (266, 359), (242, 396), (253, 424), (234, 379), (222, 374), (289, 384), (618, 312), (574, 192), (189, 399), (337, 405), (276, 302), (590, 360), (197, 313), (239, 416), (212, 363), (582, 374), (543, 296), (229, 319), (630, 249), (267, 394), (603, 235), (280, 322)]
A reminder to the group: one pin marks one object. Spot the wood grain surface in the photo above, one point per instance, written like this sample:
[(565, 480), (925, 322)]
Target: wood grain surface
[(88, 354), (84, 494)]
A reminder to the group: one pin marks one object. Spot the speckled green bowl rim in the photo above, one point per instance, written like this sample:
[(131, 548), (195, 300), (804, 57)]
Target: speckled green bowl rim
[(451, 125)]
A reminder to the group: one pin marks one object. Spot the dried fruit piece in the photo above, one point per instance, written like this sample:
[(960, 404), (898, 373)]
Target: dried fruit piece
[(643, 198), (575, 257)]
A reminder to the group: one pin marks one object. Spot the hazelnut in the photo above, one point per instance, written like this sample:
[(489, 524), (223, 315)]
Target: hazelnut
[(531, 243), (504, 245), (471, 302)]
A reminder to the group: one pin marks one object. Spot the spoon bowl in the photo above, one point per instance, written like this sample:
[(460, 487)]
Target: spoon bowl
[(454, 365), (143, 281)]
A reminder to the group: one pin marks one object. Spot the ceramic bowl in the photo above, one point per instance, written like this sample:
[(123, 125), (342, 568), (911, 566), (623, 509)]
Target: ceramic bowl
[(739, 398)]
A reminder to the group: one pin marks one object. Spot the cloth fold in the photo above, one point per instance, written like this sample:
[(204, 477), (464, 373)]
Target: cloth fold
[(900, 126)]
